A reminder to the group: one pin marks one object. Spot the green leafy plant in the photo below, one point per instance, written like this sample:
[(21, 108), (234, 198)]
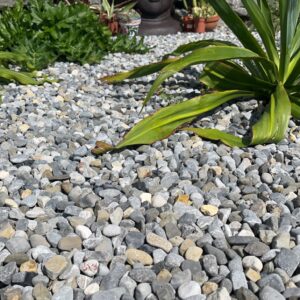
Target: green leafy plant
[(46, 32), (8, 75), (202, 9), (264, 72), (109, 9)]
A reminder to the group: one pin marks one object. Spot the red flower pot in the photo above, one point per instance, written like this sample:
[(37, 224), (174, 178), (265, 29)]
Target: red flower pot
[(211, 23), (188, 23), (199, 25)]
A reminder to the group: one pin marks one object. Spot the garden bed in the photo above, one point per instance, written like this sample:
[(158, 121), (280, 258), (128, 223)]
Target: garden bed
[(201, 219)]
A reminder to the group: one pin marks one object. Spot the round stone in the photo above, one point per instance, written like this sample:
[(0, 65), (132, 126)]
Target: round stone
[(158, 200), (209, 287), (193, 253), (138, 256), (209, 210), (29, 266), (90, 267), (69, 243), (158, 241), (92, 289), (252, 262), (111, 230), (189, 289), (55, 266), (267, 178), (83, 231)]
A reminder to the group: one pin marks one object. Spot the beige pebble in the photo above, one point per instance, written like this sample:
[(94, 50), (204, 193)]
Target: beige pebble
[(138, 256), (209, 210)]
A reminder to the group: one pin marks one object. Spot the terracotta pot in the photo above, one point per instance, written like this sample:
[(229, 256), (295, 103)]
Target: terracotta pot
[(199, 25), (211, 23), (188, 23)]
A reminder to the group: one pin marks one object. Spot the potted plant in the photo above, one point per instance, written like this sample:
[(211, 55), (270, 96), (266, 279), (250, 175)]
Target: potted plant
[(128, 17), (108, 16), (188, 19), (205, 17)]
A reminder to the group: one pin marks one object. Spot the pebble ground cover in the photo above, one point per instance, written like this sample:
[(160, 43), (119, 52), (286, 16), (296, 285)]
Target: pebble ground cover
[(183, 218)]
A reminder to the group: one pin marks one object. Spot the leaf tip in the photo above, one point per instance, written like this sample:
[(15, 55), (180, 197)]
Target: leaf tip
[(101, 148)]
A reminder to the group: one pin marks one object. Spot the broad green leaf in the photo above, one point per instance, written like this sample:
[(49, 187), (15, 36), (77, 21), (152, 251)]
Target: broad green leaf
[(218, 135), (13, 57), (292, 73), (228, 75), (289, 15), (296, 42), (182, 49), (165, 121), (296, 110), (263, 28), (273, 124), (202, 55), (139, 71), (18, 76), (238, 27), (266, 12)]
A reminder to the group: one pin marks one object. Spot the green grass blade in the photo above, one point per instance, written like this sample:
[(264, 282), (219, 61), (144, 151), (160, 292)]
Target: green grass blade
[(139, 71), (217, 135), (274, 122)]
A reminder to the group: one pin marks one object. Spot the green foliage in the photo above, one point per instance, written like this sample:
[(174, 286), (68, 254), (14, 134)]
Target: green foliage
[(7, 75), (263, 71), (274, 7), (47, 32)]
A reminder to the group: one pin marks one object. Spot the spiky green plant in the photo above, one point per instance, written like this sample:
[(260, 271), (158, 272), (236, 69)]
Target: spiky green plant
[(266, 72)]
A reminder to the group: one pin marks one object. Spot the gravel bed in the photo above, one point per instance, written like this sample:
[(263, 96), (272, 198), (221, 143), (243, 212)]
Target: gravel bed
[(182, 219)]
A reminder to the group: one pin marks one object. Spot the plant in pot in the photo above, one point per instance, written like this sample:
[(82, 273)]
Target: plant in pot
[(188, 19), (128, 17), (205, 17), (108, 16)]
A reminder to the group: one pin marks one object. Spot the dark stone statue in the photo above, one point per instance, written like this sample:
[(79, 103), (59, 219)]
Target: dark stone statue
[(156, 17)]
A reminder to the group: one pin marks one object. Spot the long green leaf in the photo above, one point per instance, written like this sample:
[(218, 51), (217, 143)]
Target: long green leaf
[(20, 77), (218, 135), (274, 122), (165, 121), (265, 10), (202, 55), (289, 15), (139, 71), (228, 75), (296, 110), (182, 49), (238, 27), (13, 57), (263, 28), (292, 73)]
